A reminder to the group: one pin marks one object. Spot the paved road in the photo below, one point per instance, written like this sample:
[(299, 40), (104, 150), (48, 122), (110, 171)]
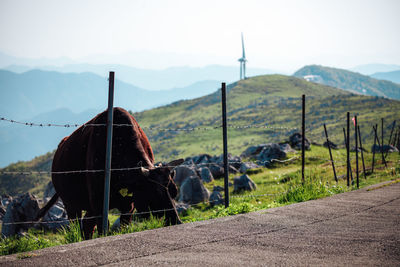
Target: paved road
[(356, 228)]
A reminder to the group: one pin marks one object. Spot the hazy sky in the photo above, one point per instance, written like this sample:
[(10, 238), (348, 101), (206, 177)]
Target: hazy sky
[(280, 35)]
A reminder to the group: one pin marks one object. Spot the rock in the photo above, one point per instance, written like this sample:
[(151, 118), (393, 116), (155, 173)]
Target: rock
[(116, 225), (181, 207), (295, 141), (56, 217), (270, 152), (192, 191), (252, 151), (182, 172), (2, 212), (216, 198), (386, 149), (353, 149), (232, 169), (243, 183), (331, 144), (285, 147), (23, 208), (5, 200), (216, 170), (206, 175), (247, 166), (203, 158)]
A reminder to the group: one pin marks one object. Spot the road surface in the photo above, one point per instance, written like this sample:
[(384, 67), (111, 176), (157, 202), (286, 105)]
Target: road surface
[(356, 228)]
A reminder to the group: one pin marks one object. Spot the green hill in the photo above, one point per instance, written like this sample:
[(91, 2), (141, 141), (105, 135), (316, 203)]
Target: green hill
[(271, 100), (35, 183), (350, 81), (265, 108)]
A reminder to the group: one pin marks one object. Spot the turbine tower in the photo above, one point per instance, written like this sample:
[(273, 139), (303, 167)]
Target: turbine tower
[(242, 61)]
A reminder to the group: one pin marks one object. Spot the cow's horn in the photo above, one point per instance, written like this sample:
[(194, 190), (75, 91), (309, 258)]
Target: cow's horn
[(144, 171)]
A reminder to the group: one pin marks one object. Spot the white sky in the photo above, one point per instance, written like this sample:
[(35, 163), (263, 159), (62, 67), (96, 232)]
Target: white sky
[(280, 35)]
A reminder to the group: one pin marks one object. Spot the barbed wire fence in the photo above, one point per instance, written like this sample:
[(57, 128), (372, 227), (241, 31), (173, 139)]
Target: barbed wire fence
[(285, 129)]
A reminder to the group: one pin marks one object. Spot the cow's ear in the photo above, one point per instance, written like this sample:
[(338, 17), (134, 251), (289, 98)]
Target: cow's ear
[(174, 163)]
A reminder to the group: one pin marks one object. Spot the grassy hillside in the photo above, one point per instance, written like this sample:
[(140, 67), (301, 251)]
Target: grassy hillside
[(351, 81), (34, 183), (272, 100)]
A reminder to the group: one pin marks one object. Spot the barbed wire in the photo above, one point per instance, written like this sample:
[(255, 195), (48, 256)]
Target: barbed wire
[(187, 129), (138, 213), (219, 163)]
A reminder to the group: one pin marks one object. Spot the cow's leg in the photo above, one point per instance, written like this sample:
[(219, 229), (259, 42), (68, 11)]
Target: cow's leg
[(89, 223), (75, 216), (126, 214)]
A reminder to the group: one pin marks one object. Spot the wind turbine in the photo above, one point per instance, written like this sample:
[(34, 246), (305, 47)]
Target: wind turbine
[(242, 61)]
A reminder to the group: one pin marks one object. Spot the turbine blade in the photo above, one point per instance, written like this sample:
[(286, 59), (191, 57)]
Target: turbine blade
[(243, 54)]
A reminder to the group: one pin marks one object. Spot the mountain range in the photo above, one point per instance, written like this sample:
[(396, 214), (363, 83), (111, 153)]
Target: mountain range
[(260, 109), (393, 76), (70, 98), (165, 79), (351, 81)]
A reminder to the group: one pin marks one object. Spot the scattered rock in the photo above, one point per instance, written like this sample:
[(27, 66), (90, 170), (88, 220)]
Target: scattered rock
[(206, 175), (216, 170), (216, 196), (181, 207), (247, 166), (243, 183), (353, 149), (23, 208), (331, 144), (295, 141), (192, 191), (252, 151), (270, 152), (182, 172), (386, 149), (5, 200), (285, 147), (56, 217)]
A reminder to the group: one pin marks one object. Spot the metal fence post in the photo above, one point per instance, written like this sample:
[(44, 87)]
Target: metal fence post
[(303, 118), (356, 139), (225, 143), (107, 177), (348, 149)]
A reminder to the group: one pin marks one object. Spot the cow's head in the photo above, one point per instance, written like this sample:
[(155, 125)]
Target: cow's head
[(154, 190)]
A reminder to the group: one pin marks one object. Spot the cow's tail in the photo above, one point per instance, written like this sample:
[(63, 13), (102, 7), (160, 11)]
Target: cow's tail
[(46, 207)]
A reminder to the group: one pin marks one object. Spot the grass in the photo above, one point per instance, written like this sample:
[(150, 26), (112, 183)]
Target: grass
[(278, 185)]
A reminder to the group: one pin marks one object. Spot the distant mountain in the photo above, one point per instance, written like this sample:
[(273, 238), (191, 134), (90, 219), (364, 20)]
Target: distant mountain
[(67, 98), (369, 69), (30, 93), (174, 77), (20, 142), (393, 76), (350, 81), (269, 100)]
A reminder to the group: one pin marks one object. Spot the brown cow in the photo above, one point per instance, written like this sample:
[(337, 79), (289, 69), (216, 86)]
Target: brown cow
[(153, 187)]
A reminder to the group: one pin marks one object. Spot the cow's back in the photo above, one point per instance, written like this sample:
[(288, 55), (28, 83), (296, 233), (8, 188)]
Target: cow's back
[(85, 149)]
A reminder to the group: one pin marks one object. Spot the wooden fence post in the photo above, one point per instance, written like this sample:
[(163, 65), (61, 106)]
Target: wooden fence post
[(374, 148), (362, 151), (330, 153)]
